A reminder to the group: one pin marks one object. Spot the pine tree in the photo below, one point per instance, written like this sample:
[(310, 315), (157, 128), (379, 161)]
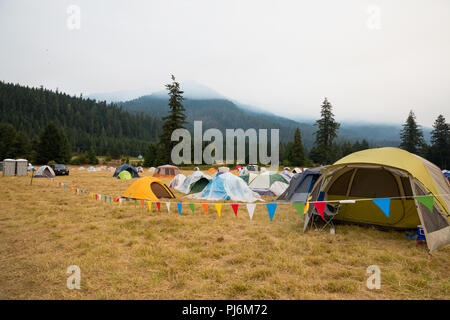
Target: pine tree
[(21, 147), (411, 136), (325, 134), (440, 143), (7, 136), (296, 154), (174, 120), (150, 155), (53, 146)]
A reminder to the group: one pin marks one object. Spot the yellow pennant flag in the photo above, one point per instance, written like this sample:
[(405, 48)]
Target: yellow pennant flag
[(149, 206), (92, 195), (218, 208)]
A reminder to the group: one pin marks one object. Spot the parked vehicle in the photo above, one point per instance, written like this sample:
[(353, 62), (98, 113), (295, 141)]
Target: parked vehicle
[(60, 169)]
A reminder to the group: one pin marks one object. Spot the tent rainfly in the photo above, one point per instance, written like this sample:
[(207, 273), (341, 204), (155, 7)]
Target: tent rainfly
[(194, 182), (301, 185), (393, 175), (148, 188), (227, 187), (45, 172)]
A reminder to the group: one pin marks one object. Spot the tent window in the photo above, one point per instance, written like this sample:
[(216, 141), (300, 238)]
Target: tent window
[(167, 172), (339, 187), (172, 173), (159, 190), (374, 183), (406, 187)]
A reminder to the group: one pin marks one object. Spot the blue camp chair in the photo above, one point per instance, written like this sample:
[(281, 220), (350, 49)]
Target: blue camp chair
[(331, 211)]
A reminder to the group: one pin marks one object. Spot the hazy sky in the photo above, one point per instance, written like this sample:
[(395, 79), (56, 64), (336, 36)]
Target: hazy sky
[(374, 60)]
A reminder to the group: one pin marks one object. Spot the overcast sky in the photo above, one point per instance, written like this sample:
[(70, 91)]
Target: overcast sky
[(374, 60)]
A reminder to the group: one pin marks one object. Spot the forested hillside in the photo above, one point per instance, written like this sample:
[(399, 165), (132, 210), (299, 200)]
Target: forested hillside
[(88, 124), (222, 114)]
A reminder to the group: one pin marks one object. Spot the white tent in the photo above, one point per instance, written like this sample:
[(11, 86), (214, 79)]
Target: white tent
[(227, 186), (152, 169), (177, 181), (91, 169), (278, 187), (191, 180), (265, 180), (81, 168), (44, 172)]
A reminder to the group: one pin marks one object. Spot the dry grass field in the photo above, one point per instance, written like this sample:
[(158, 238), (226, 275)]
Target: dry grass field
[(130, 253)]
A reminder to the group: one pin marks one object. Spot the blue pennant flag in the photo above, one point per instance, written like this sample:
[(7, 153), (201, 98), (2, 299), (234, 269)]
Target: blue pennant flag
[(384, 204), (180, 206), (271, 207)]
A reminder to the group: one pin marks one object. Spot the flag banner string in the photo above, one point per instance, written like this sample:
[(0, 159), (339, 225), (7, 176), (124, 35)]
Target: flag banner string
[(271, 206)]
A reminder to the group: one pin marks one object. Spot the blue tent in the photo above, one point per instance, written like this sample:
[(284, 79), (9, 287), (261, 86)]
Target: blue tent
[(447, 175), (132, 170), (301, 185)]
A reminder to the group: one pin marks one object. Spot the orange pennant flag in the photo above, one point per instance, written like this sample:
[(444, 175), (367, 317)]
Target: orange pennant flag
[(205, 207)]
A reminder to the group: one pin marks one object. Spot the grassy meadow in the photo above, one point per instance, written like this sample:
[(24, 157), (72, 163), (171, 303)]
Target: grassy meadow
[(130, 253)]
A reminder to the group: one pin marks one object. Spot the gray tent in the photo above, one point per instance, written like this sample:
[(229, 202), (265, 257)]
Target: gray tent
[(301, 185)]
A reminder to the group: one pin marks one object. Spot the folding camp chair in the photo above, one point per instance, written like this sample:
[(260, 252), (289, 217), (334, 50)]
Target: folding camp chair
[(330, 212)]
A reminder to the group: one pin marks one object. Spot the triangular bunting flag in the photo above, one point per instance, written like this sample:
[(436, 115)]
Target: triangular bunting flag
[(300, 206), (384, 204), (191, 205), (158, 205), (180, 206), (149, 206), (168, 207), (251, 209), (427, 201), (205, 207), (235, 208), (271, 207), (218, 208), (142, 203), (135, 203), (320, 207)]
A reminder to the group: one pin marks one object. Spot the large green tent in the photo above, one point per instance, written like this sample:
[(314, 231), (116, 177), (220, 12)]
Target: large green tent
[(388, 173)]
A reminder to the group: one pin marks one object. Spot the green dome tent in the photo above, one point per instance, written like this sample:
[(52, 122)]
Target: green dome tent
[(124, 175)]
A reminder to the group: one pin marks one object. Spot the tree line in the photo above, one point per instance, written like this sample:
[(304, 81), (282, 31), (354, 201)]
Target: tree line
[(88, 128), (327, 151), (87, 124)]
